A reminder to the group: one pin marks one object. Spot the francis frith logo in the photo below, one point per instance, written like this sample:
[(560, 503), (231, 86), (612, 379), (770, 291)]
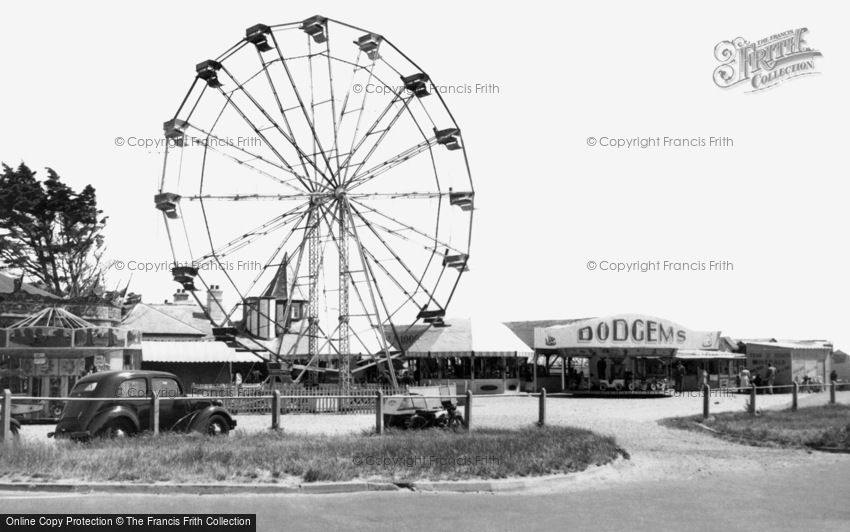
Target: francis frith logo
[(764, 63)]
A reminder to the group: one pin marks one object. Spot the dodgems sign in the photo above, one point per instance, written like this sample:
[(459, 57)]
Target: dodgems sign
[(624, 331)]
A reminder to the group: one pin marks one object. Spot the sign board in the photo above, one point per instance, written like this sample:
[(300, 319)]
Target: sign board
[(624, 331), (39, 358)]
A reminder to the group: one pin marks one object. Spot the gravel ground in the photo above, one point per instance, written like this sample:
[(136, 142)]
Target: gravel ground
[(657, 453)]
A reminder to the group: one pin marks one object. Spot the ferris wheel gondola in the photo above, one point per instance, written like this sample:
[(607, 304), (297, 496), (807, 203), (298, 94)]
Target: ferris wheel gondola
[(314, 168)]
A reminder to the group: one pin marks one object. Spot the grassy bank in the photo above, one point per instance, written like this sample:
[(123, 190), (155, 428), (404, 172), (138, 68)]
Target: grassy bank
[(821, 426), (279, 457)]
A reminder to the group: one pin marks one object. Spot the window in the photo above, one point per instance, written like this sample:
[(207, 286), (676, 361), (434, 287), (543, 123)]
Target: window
[(85, 389), (133, 388), (165, 388)]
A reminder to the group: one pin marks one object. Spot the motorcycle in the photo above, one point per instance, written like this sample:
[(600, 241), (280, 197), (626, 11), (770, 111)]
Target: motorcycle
[(415, 412)]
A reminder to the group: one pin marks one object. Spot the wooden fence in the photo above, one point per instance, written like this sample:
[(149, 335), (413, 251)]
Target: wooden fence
[(295, 399)]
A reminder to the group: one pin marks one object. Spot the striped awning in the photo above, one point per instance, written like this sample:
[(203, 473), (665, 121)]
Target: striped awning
[(193, 351), (468, 338)]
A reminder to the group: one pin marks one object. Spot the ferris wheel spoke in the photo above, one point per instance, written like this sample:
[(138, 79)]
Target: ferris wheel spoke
[(333, 222), (420, 287), (279, 103), (246, 163), (217, 258), (241, 87), (250, 197), (333, 106), (433, 239), (265, 139), (373, 286), (344, 105), (259, 231), (361, 178), (372, 130), (307, 117), (396, 257), (398, 195)]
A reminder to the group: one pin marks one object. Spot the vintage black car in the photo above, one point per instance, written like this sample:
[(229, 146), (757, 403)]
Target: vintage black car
[(114, 417)]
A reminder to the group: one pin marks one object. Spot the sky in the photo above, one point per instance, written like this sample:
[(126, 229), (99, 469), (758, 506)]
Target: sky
[(770, 208)]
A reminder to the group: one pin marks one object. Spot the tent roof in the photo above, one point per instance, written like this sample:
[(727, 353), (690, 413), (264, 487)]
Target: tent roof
[(465, 337), (525, 329)]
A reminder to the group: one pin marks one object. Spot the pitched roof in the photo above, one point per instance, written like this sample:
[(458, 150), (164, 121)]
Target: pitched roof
[(7, 286), (525, 329), (168, 320), (465, 337)]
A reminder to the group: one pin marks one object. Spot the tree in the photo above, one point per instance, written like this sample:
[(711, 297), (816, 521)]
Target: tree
[(50, 233)]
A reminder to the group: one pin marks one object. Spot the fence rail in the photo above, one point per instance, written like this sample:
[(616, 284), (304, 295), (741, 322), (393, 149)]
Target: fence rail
[(253, 399), (290, 399)]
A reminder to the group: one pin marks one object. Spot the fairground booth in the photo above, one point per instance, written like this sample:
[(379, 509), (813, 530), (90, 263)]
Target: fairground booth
[(632, 352), (483, 356), (44, 354)]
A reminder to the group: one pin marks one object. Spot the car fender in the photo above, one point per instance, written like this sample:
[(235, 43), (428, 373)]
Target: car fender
[(196, 419), (117, 412)]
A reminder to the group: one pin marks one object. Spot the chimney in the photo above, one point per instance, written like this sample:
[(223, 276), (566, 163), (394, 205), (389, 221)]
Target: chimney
[(215, 304), (181, 297)]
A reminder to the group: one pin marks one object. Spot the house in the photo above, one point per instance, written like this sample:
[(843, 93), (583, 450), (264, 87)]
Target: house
[(177, 337)]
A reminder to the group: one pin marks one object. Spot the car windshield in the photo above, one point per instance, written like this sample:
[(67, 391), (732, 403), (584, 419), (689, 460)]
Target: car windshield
[(84, 389)]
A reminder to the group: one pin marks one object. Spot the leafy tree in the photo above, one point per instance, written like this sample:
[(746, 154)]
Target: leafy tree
[(50, 233)]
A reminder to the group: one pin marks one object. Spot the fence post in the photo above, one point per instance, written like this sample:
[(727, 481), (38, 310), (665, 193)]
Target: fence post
[(753, 400), (379, 412), (795, 390), (275, 409), (706, 400), (832, 393), (6, 417), (155, 415), (542, 408), (467, 411)]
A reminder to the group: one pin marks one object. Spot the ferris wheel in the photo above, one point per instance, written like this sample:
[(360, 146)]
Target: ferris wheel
[(316, 170)]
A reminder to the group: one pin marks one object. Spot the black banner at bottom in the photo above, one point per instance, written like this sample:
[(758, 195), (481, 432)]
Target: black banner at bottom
[(127, 522)]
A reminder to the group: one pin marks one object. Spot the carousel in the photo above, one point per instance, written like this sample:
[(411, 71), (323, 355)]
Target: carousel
[(44, 354)]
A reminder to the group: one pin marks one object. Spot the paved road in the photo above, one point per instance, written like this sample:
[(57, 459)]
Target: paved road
[(674, 479), (812, 498)]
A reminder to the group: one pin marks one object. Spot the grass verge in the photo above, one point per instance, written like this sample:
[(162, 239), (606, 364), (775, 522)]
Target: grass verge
[(397, 456), (817, 426)]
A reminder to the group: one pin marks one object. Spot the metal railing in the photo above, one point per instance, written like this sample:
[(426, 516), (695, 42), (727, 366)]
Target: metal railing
[(278, 404), (255, 399)]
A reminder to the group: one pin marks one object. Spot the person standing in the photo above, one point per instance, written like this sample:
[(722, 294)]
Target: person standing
[(680, 377), (771, 377), (745, 378)]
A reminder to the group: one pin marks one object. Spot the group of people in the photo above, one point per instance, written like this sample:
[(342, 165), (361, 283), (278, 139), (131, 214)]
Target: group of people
[(746, 379)]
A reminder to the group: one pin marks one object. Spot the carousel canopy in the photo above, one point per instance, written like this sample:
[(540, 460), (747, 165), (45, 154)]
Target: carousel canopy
[(60, 332), (463, 337)]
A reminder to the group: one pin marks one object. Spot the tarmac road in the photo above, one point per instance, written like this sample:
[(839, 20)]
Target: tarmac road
[(674, 479), (787, 498)]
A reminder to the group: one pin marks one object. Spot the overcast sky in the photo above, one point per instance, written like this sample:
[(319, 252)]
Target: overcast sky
[(78, 75)]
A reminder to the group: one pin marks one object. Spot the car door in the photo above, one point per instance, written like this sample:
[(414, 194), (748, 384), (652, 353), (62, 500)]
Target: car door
[(130, 391), (171, 408)]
